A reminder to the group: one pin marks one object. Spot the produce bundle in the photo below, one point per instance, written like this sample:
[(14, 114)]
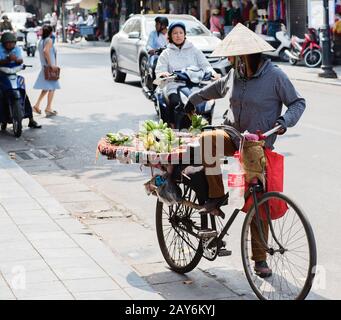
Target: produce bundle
[(120, 139), (198, 122), (158, 137)]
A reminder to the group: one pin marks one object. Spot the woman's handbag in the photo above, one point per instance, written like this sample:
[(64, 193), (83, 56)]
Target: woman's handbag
[(51, 73)]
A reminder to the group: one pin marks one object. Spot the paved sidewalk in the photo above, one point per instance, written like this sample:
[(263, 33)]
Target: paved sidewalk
[(302, 73), (47, 254)]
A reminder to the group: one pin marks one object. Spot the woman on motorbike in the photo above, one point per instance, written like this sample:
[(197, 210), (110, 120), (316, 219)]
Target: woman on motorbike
[(180, 54), (257, 91)]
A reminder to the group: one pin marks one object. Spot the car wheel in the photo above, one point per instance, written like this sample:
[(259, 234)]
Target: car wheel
[(116, 73), (143, 70)]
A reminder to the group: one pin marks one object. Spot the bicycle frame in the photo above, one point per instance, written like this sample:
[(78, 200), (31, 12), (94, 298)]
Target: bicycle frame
[(253, 189)]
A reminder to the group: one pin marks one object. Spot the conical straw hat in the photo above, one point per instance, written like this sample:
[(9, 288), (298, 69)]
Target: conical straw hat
[(241, 41)]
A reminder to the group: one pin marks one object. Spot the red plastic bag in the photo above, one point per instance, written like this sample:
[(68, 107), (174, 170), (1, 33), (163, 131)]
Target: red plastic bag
[(274, 182)]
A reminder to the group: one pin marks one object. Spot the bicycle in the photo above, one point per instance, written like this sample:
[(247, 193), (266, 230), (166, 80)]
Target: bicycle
[(185, 236)]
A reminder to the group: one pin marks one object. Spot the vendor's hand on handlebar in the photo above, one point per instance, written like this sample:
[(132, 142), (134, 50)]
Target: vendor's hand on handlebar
[(281, 131), (164, 75), (216, 76)]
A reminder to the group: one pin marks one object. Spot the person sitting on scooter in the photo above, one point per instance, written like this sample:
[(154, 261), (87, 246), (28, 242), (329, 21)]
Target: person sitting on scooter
[(180, 54), (257, 91), (11, 56), (157, 39), (5, 24)]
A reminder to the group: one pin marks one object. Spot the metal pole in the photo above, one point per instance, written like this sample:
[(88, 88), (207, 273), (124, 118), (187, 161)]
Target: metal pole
[(327, 68), (63, 22)]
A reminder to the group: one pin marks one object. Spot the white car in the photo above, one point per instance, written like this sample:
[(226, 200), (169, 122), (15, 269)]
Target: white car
[(128, 50)]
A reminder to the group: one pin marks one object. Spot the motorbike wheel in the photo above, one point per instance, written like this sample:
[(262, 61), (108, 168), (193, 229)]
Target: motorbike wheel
[(144, 71), (17, 118), (17, 127), (283, 56), (313, 58), (116, 73), (3, 126), (292, 61)]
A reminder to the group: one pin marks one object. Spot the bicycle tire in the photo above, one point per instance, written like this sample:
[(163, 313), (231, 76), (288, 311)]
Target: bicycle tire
[(169, 256), (255, 281)]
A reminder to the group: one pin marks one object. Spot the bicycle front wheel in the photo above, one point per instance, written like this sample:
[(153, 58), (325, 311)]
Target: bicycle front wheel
[(177, 227), (292, 258)]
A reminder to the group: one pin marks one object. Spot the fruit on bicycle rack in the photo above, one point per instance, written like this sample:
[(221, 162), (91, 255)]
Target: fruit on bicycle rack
[(198, 122), (158, 137), (120, 139)]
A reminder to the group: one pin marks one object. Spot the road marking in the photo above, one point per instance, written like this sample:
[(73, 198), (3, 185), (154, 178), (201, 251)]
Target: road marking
[(329, 131)]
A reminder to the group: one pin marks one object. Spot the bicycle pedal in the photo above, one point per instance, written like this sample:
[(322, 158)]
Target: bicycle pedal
[(224, 253), (207, 234)]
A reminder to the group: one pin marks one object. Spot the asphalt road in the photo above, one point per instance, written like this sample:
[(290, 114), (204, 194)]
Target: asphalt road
[(90, 104)]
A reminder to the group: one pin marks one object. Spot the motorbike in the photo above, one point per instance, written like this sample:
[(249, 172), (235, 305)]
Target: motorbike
[(13, 100), (148, 77), (73, 33), (307, 49), (280, 42), (193, 79), (31, 40)]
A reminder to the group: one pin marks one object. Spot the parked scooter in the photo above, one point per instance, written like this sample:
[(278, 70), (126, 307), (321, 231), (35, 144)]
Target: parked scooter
[(12, 103), (193, 79), (31, 41), (307, 49), (280, 42)]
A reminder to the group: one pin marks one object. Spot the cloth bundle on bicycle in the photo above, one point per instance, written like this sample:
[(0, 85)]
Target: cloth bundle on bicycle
[(165, 189), (274, 182), (254, 161)]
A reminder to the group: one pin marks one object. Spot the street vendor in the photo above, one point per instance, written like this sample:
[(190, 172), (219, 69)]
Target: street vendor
[(257, 90)]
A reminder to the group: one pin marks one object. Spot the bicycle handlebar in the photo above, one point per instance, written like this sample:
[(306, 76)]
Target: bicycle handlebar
[(262, 136)]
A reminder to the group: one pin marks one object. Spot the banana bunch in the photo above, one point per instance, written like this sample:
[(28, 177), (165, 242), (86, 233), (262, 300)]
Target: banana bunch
[(120, 139), (198, 122), (157, 137), (151, 125)]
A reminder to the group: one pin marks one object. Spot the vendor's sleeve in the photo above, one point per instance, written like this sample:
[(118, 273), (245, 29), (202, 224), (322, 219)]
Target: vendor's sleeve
[(291, 99), (218, 89)]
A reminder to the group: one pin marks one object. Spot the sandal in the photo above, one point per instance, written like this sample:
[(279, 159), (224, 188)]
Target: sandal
[(36, 110), (51, 113)]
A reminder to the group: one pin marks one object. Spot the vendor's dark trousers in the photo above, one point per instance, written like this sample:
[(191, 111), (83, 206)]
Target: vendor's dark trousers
[(215, 145)]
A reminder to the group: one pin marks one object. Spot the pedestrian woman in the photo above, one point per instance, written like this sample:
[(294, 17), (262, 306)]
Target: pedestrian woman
[(216, 26), (257, 91), (48, 57)]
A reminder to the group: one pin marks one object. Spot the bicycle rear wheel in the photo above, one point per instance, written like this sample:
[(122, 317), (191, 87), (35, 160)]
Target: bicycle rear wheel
[(177, 227), (293, 269)]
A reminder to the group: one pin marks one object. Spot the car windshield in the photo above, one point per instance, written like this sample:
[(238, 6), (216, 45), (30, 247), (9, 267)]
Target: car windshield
[(193, 28)]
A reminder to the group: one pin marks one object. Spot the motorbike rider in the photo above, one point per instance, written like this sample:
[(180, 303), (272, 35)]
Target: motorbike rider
[(11, 56), (157, 39), (257, 91), (5, 24), (180, 54)]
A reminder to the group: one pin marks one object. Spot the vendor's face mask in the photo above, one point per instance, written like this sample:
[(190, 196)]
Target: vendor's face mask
[(240, 68)]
